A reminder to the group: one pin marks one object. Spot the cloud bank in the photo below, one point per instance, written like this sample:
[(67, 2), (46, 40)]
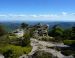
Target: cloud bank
[(63, 16)]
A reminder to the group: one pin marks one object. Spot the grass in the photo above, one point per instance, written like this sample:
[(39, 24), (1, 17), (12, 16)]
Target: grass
[(16, 51)]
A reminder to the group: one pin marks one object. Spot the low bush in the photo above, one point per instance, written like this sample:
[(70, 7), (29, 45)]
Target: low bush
[(12, 51), (69, 42), (67, 52)]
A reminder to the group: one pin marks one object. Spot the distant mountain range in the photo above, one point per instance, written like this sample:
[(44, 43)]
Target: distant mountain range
[(14, 25), (61, 24), (9, 26)]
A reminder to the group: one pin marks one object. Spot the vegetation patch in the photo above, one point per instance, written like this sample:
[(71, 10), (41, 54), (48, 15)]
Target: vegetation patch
[(69, 42), (13, 51), (42, 54)]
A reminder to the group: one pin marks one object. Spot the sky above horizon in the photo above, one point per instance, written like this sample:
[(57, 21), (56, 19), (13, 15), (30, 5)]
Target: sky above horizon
[(37, 10)]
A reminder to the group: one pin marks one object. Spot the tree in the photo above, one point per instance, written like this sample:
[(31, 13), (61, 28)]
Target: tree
[(67, 34), (2, 30), (26, 39), (73, 33), (24, 25), (56, 31), (31, 32)]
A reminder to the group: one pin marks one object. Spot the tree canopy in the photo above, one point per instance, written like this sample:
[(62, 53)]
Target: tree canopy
[(24, 25)]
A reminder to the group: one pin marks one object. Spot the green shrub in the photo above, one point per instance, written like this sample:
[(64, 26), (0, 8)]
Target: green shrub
[(67, 52), (26, 39), (69, 42), (12, 51), (2, 30)]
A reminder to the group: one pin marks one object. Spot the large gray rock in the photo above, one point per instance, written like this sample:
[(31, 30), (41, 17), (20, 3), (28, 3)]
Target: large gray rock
[(1, 56)]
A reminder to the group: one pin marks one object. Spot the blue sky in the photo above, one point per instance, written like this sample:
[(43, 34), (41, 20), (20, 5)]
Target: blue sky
[(37, 10)]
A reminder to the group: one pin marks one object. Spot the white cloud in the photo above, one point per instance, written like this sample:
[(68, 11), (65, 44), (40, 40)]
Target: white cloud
[(63, 16), (2, 15), (64, 13), (33, 16)]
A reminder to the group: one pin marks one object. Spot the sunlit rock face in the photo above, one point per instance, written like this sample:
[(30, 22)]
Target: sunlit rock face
[(19, 33), (41, 30)]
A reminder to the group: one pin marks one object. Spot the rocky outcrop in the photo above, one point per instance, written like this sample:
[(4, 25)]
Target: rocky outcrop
[(42, 46)]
